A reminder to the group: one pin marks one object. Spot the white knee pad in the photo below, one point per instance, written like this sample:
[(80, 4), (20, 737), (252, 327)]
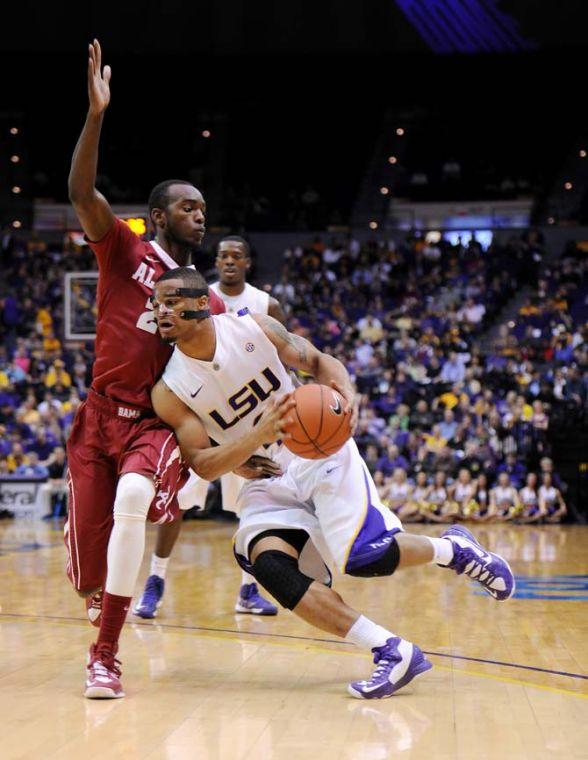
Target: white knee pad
[(134, 495)]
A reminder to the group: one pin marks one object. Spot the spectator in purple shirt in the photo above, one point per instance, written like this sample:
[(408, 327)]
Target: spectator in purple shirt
[(391, 460), (514, 469), (453, 370)]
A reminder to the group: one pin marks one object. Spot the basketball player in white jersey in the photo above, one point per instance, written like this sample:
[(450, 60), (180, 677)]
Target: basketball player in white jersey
[(233, 262), (226, 384)]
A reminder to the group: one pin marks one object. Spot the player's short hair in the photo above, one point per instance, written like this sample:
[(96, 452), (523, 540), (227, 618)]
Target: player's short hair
[(237, 239), (159, 196), (190, 277)]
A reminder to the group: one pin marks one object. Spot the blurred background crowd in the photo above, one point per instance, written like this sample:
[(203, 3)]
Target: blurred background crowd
[(459, 393)]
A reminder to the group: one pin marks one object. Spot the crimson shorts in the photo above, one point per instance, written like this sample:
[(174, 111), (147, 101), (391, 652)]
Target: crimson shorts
[(107, 440)]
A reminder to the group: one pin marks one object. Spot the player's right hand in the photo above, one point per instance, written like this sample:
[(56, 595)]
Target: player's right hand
[(259, 467), (272, 423), (98, 80)]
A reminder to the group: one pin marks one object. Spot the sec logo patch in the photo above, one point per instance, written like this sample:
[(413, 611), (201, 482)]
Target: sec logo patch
[(249, 347)]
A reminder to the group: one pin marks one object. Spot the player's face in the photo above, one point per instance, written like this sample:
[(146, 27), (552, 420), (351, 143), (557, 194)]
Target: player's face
[(232, 262), (185, 215), (167, 308)]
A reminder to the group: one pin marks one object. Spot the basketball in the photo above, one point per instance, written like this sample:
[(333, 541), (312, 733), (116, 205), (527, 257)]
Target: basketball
[(319, 427)]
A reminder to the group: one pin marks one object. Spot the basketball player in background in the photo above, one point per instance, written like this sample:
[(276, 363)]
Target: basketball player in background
[(226, 383), (233, 262), (124, 464)]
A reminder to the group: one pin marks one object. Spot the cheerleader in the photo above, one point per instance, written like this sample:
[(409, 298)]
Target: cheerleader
[(529, 497), (462, 491), (478, 507), (438, 507), (420, 494), (504, 500), (551, 501), (399, 495)]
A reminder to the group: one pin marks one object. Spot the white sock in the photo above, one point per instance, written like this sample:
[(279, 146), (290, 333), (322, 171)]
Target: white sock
[(363, 633), (442, 551), (158, 566), (246, 578)]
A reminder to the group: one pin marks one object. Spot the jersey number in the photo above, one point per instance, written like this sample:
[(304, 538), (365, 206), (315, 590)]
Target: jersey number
[(146, 320)]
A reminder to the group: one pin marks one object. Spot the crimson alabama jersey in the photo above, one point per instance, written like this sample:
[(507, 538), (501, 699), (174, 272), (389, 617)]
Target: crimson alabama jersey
[(130, 355)]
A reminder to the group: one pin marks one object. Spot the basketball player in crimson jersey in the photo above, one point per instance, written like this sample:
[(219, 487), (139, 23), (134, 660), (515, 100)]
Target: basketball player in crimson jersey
[(124, 464), (233, 262)]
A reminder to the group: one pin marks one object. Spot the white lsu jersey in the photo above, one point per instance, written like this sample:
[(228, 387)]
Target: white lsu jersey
[(195, 490), (254, 299), (334, 499), (230, 393)]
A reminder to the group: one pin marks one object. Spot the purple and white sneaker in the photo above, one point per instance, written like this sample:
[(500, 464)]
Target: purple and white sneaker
[(253, 603), (151, 600), (398, 663), (490, 570)]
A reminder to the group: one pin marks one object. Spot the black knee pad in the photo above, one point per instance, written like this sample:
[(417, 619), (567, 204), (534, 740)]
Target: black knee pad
[(385, 565), (279, 574)]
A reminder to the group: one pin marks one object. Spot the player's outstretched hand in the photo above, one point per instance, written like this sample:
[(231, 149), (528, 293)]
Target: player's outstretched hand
[(352, 403), (98, 80), (259, 467), (272, 424)]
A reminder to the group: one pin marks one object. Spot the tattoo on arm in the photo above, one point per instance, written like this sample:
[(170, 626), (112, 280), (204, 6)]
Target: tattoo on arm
[(297, 342)]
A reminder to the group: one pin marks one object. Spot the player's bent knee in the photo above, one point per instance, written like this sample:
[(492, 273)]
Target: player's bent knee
[(134, 495), (279, 574), (386, 564)]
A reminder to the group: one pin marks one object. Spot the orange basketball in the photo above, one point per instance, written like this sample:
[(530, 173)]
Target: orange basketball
[(318, 425)]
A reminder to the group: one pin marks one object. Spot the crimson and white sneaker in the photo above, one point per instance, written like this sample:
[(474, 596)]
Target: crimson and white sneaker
[(94, 608), (103, 681)]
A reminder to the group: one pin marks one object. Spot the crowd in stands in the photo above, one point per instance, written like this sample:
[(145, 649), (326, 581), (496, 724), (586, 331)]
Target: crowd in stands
[(551, 331), (448, 433)]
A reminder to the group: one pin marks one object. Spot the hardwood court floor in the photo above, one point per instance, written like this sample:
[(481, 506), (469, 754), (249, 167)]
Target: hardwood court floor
[(509, 680)]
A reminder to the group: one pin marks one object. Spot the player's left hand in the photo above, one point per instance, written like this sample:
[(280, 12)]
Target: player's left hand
[(259, 467), (352, 403)]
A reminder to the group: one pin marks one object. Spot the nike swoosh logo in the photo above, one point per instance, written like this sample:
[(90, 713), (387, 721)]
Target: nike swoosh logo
[(196, 392), (371, 688), (337, 408), (336, 467)]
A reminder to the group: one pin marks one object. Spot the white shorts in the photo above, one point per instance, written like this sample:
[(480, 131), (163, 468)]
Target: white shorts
[(334, 500), (194, 491)]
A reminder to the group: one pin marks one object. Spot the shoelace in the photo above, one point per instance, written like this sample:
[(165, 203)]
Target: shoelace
[(383, 663), (479, 572), (96, 600), (104, 663)]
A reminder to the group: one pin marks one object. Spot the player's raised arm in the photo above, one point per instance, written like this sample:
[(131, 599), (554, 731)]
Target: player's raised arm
[(299, 353), (91, 206), (210, 462)]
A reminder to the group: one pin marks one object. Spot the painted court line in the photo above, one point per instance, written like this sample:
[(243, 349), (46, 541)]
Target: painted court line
[(209, 629)]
